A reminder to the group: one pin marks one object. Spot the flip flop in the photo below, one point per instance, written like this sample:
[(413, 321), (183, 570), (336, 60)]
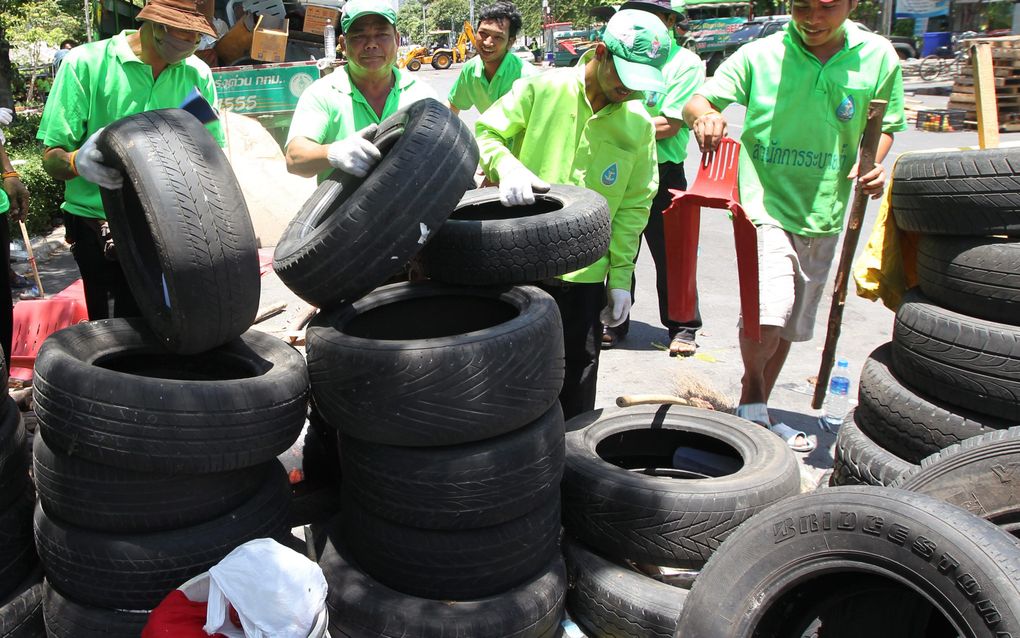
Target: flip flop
[(790, 435), (609, 338), (680, 347)]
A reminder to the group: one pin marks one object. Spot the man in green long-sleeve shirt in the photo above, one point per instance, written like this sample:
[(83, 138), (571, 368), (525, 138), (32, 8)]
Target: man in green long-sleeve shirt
[(586, 127)]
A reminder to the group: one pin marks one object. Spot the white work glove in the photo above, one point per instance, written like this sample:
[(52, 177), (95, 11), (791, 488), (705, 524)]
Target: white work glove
[(518, 185), (618, 308), (6, 116), (355, 154), (88, 162)]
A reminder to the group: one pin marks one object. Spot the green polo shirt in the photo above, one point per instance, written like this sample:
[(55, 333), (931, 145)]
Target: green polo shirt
[(684, 72), (804, 123), (101, 82), (472, 88), (563, 142), (5, 202), (332, 108)]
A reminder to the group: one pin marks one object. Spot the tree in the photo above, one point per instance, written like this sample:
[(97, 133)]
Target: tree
[(67, 16), (33, 33)]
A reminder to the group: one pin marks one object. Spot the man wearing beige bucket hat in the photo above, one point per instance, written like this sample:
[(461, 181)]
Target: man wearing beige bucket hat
[(97, 84)]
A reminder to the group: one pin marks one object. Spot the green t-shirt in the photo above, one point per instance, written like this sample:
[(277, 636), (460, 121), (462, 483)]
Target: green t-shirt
[(5, 203), (563, 142), (471, 88), (101, 82), (804, 123), (332, 108), (684, 72)]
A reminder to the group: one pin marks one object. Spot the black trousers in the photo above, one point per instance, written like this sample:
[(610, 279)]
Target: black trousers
[(580, 305), (670, 176), (103, 279), (7, 306)]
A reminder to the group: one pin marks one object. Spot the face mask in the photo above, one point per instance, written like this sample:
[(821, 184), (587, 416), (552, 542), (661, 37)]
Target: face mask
[(171, 48)]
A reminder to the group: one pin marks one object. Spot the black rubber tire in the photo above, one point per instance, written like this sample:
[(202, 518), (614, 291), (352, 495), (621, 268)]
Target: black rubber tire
[(485, 243), (441, 62), (978, 475), (970, 363), (858, 460), (354, 233), (17, 551), (970, 193), (607, 599), (107, 499), (414, 65), (68, 619), (13, 460), (976, 276), (460, 486), (427, 364), (136, 571), (452, 565), (673, 522), (105, 391), (907, 423), (180, 221), (772, 575), (21, 610), (360, 607)]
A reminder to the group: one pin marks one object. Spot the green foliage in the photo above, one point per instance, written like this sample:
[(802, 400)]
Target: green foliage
[(439, 15), (46, 194), (46, 23)]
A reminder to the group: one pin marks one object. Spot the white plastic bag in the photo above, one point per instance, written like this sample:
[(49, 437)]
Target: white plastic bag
[(277, 592)]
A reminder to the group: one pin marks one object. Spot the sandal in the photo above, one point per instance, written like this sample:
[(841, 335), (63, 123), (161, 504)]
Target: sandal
[(758, 413), (610, 338), (680, 347)]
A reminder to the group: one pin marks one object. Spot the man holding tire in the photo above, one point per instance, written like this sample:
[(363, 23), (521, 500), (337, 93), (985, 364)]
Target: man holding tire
[(488, 76), (97, 84), (684, 73), (583, 127), (807, 91), (338, 115)]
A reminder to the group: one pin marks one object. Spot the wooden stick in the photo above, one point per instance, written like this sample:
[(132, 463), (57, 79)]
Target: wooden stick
[(270, 311), (869, 148), (31, 258), (628, 400), (984, 95)]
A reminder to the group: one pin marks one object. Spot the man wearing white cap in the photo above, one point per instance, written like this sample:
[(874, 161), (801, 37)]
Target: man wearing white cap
[(337, 115), (586, 127)]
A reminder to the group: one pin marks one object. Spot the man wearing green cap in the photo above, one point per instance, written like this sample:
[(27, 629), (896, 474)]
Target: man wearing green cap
[(488, 76), (585, 127), (807, 91), (338, 114), (684, 72), (97, 84)]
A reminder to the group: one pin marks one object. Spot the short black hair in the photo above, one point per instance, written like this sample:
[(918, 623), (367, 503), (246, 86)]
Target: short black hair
[(503, 10), (66, 42)]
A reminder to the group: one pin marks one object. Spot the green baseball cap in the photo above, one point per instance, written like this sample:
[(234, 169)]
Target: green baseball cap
[(358, 8), (640, 44), (678, 6)]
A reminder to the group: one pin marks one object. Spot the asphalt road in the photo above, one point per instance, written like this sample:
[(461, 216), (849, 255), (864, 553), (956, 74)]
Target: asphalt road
[(639, 365)]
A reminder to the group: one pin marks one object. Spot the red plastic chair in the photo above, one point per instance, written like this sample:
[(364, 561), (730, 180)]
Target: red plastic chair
[(714, 187), (36, 319)]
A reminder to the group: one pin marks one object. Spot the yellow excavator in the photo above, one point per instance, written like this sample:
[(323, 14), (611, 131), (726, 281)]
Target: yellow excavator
[(439, 54)]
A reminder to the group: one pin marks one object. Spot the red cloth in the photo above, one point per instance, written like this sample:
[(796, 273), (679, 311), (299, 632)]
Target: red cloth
[(179, 617)]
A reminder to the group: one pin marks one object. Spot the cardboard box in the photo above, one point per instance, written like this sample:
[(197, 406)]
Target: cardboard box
[(269, 40), (316, 17)]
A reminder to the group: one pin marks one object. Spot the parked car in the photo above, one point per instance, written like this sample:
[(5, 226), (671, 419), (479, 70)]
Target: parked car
[(753, 29)]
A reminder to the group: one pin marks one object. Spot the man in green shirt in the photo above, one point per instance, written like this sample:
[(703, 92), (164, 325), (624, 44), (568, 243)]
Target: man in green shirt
[(14, 202), (807, 91), (102, 82), (684, 73), (489, 75), (338, 114), (583, 126)]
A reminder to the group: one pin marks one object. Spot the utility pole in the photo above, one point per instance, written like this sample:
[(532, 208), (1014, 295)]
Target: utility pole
[(88, 20), (424, 29), (888, 15), (471, 7)]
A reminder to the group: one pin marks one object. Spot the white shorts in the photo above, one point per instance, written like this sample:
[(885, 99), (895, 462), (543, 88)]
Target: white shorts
[(792, 272)]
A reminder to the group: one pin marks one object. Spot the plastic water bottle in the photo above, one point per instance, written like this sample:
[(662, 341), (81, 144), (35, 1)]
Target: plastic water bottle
[(329, 41), (837, 402)]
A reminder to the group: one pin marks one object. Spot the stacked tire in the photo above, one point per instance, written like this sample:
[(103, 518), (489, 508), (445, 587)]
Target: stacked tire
[(20, 588), (658, 486), (158, 438), (952, 370), (451, 442)]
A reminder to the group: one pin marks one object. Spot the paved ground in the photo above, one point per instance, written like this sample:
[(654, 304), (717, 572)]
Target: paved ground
[(638, 365)]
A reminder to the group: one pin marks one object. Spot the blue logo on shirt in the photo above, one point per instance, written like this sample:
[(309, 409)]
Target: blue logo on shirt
[(610, 174), (846, 109)]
